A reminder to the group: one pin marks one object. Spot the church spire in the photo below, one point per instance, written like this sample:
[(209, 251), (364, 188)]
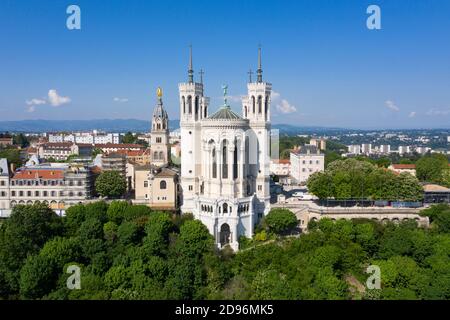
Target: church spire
[(191, 70), (259, 71)]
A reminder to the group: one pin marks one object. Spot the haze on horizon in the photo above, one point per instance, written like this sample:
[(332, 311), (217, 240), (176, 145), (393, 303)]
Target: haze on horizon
[(326, 67)]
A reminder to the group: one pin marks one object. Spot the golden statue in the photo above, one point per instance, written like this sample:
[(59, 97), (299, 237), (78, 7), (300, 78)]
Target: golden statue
[(159, 92)]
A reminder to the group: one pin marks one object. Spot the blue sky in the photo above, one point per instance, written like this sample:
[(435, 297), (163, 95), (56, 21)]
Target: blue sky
[(326, 67)]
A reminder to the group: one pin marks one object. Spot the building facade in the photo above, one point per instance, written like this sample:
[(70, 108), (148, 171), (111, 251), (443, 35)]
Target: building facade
[(305, 161), (156, 187), (58, 185), (4, 184), (225, 167)]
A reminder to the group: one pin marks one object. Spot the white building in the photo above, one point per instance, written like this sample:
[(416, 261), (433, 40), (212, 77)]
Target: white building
[(385, 149), (4, 185), (422, 150), (225, 159), (404, 149), (93, 137), (280, 167), (366, 148), (305, 161), (354, 149)]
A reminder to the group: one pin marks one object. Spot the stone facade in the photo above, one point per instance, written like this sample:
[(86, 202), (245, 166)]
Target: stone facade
[(225, 160)]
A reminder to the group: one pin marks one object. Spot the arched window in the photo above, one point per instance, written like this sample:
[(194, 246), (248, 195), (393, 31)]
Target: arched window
[(225, 208), (196, 108), (155, 155), (214, 162), (163, 185), (245, 111), (266, 106), (224, 160), (259, 104), (184, 104), (189, 104), (206, 112), (235, 162), (253, 104), (161, 155)]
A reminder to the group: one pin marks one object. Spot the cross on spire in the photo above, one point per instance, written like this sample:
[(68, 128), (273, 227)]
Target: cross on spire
[(250, 72), (191, 70), (201, 72), (259, 71)]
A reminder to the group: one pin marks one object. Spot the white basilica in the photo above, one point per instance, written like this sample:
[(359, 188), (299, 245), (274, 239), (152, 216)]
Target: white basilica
[(225, 159)]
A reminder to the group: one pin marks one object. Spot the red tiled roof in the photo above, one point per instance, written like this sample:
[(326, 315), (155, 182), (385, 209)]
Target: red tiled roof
[(119, 145), (282, 161), (131, 153), (58, 144), (404, 166), (39, 174)]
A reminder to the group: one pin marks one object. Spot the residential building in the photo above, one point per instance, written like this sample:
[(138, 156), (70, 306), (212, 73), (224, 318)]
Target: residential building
[(366, 148), (58, 185), (422, 150), (320, 143), (157, 187), (385, 149), (399, 168), (6, 141), (354, 149), (305, 162), (93, 137), (4, 184), (114, 162), (57, 150), (280, 167), (113, 147), (404, 150)]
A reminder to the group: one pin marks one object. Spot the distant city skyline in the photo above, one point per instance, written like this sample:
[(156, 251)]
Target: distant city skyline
[(327, 68)]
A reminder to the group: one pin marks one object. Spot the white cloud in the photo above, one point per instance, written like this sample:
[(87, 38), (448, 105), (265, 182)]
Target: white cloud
[(391, 105), (56, 100), (285, 107), (275, 95), (412, 114), (120, 100), (31, 108), (438, 112), (35, 102)]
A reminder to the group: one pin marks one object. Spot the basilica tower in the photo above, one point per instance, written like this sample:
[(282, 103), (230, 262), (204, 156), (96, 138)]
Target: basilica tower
[(193, 108), (256, 108), (160, 151)]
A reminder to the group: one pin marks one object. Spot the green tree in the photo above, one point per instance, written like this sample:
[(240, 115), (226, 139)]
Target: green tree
[(280, 220), (431, 168), (129, 138), (110, 184)]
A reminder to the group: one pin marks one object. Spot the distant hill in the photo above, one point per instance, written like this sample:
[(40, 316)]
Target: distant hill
[(125, 125), (117, 125)]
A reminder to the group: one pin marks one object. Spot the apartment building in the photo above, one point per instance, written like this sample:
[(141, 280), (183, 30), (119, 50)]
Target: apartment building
[(93, 137), (58, 185), (114, 162), (305, 161), (280, 167), (354, 149), (366, 148), (4, 184)]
